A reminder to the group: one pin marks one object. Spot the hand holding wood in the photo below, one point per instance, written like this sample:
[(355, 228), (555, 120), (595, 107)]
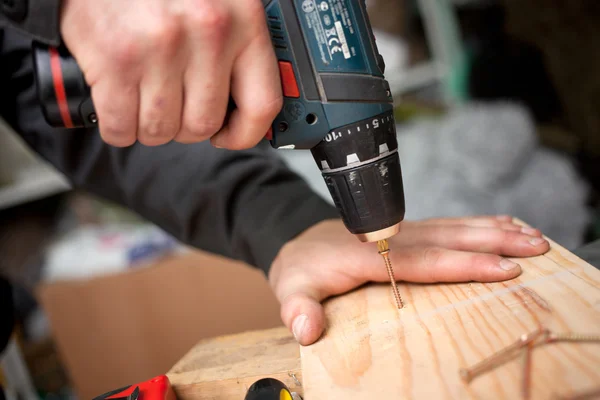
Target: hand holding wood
[(326, 260)]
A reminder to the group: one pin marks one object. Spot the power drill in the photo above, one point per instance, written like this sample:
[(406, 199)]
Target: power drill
[(337, 104)]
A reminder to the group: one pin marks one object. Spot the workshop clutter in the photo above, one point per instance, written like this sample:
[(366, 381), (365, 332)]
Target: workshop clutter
[(91, 251), (486, 158), (115, 290), (139, 322)]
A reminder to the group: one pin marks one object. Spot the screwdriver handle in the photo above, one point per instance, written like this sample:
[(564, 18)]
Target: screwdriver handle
[(268, 389)]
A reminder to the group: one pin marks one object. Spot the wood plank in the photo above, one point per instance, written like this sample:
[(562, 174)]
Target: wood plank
[(224, 368), (372, 350)]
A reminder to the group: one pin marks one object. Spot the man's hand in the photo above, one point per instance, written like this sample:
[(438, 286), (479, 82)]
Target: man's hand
[(163, 70), (326, 260)]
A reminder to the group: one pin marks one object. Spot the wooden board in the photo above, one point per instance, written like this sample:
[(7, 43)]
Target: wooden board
[(372, 350), (224, 368)]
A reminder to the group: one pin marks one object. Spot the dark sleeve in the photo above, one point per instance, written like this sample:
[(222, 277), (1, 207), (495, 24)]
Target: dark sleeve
[(240, 204), (38, 19)]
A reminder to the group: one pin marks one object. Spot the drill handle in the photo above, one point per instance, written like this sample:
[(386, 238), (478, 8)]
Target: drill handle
[(62, 90), (64, 95)]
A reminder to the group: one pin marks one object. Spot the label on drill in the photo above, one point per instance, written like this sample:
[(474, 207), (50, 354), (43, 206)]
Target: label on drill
[(332, 35)]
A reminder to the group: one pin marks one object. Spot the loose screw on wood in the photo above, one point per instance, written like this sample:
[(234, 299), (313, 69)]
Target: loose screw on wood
[(526, 385), (498, 358), (572, 337), (526, 343)]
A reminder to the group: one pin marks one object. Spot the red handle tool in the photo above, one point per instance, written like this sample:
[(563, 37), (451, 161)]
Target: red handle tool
[(158, 388)]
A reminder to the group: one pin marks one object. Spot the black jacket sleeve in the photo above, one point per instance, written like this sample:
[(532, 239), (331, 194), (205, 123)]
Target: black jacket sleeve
[(39, 19), (240, 204)]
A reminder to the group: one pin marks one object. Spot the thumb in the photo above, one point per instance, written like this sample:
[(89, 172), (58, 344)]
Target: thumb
[(304, 316)]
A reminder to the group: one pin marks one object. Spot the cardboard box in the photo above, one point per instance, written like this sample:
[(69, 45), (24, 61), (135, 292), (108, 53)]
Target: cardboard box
[(124, 328)]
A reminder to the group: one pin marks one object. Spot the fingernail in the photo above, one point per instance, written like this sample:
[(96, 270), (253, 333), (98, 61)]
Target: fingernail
[(214, 141), (529, 231), (298, 326), (507, 265), (537, 241)]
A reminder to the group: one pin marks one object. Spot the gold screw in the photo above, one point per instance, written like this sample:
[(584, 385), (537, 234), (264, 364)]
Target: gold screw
[(384, 250)]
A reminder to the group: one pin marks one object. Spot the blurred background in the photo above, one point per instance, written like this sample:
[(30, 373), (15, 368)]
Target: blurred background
[(497, 107)]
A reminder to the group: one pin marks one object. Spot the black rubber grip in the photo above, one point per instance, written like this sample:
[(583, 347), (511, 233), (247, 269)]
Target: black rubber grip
[(268, 389), (361, 168), (61, 87), (369, 197)]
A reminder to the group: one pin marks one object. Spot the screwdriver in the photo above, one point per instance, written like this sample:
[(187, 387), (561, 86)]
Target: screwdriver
[(384, 250)]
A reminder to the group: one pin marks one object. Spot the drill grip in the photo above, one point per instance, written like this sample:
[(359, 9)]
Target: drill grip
[(62, 90), (64, 95)]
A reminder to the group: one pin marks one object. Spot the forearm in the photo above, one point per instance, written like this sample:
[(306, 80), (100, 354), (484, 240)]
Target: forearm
[(241, 204), (244, 205)]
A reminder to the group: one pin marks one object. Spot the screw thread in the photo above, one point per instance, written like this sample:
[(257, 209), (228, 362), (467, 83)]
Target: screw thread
[(383, 247)]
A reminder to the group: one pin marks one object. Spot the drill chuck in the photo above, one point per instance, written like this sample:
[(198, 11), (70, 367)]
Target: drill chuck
[(361, 167)]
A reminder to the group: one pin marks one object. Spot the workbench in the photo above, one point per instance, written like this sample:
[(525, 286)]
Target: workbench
[(371, 350)]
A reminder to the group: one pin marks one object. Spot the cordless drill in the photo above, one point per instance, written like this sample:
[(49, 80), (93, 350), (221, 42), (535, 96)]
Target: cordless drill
[(337, 104)]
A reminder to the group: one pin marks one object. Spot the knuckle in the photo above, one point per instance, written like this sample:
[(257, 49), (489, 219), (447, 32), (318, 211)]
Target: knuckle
[(116, 135), (254, 10), (165, 34), (111, 127), (209, 16), (431, 256), (202, 127), (157, 130), (266, 111), (234, 142), (508, 236), (116, 126), (125, 51), (483, 266), (497, 224)]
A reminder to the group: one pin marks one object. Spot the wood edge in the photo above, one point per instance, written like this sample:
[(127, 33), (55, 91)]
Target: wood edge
[(234, 387), (277, 332)]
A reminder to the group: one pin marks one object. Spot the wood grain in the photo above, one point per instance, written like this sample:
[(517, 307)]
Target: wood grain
[(224, 368), (373, 350)]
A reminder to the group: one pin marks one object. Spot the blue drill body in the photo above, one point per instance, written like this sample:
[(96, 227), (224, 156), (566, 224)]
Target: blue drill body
[(336, 42)]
